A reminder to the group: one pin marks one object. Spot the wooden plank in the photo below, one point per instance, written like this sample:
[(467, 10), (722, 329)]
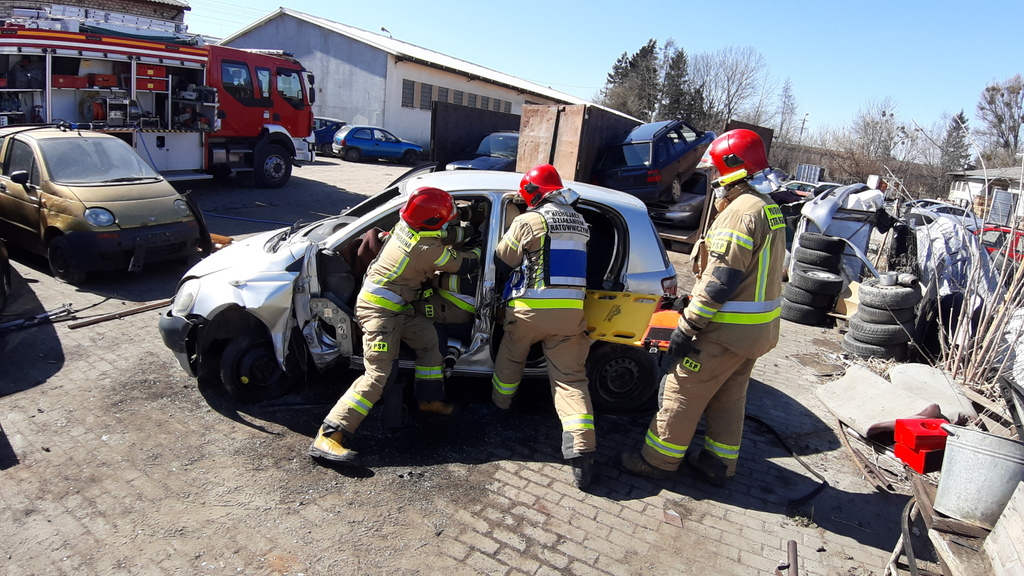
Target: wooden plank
[(536, 136)]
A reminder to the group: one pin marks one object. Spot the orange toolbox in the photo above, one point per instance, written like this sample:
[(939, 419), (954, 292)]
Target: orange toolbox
[(63, 81), (155, 84), (151, 71), (103, 80)]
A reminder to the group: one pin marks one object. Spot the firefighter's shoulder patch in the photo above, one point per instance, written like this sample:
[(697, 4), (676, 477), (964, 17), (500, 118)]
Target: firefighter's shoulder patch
[(774, 215), (691, 365)]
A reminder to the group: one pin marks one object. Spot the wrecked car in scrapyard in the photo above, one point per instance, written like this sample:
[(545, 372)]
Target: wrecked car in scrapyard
[(260, 313)]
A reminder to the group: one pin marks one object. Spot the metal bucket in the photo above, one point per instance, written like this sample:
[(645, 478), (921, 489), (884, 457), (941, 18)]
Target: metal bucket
[(980, 471)]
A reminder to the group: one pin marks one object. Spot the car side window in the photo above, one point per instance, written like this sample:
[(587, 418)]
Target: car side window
[(363, 133), (237, 80), (263, 81), (21, 157)]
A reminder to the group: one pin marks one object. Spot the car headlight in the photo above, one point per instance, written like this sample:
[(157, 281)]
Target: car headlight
[(182, 207), (99, 216), (185, 297)]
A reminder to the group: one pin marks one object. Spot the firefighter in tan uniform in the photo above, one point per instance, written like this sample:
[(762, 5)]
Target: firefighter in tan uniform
[(732, 319), (412, 253), (545, 249)]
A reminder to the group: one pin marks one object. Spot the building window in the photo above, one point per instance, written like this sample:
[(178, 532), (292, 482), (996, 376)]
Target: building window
[(426, 95), (458, 98), (485, 102), (442, 94), (408, 93), (508, 107), (496, 106), (471, 100)]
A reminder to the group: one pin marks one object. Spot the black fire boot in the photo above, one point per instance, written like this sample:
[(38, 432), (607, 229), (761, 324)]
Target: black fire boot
[(582, 469), (707, 467), (634, 463)]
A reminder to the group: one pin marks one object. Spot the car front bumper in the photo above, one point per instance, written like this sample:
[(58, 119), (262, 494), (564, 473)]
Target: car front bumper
[(132, 248), (179, 335)]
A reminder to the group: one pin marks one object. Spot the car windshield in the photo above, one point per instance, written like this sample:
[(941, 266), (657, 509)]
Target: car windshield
[(626, 155), (77, 160), (500, 145)]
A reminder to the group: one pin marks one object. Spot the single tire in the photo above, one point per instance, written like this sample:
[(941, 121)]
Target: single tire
[(621, 377), (675, 191), (250, 373), (812, 299), (880, 334), (62, 262), (273, 166), (863, 349), (822, 242), (410, 157), (802, 314), (883, 316), (873, 294), (325, 149), (817, 258), (353, 154), (817, 281)]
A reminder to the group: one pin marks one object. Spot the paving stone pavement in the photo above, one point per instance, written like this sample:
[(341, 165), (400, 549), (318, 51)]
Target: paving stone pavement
[(112, 461), (86, 494)]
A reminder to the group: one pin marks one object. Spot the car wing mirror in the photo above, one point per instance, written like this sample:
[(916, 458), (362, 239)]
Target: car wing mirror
[(20, 177)]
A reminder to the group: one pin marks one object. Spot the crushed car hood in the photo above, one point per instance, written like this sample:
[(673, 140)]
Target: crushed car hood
[(251, 254)]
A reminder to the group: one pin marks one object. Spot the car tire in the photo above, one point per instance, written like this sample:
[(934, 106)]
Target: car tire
[(675, 191), (817, 281), (883, 316), (817, 258), (273, 166), (250, 373), (801, 314), (410, 157), (822, 242), (857, 348), (326, 150), (621, 377), (873, 294), (812, 299), (62, 262), (353, 154), (880, 334)]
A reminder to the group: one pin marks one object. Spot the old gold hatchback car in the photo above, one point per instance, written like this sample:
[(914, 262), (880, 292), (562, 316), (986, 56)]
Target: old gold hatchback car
[(88, 202)]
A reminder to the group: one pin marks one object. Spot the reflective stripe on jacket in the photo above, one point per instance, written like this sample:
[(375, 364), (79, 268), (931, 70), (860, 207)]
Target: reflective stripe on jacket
[(407, 259)]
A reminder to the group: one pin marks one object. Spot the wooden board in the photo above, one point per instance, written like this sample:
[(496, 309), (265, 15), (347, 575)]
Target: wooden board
[(568, 137)]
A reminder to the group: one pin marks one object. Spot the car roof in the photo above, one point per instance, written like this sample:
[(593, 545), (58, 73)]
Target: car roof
[(647, 131), (327, 119), (455, 181), (41, 133)]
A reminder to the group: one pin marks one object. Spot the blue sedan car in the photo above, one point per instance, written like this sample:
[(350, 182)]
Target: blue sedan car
[(353, 143), (654, 161)]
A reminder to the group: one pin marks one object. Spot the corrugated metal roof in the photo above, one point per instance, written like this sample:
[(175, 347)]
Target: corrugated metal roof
[(992, 173), (418, 54)]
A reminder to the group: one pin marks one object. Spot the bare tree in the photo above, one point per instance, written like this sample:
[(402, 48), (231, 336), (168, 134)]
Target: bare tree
[(731, 78), (1001, 111)]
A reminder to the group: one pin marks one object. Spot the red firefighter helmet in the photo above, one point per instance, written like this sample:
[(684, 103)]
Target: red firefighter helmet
[(538, 182), (735, 151), (428, 209)]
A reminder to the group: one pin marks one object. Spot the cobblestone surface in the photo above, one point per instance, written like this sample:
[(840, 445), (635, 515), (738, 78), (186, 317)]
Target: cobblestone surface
[(112, 461)]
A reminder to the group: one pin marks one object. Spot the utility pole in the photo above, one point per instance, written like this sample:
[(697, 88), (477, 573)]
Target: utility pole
[(802, 123)]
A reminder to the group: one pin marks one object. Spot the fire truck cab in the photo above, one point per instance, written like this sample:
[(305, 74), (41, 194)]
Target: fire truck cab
[(191, 110)]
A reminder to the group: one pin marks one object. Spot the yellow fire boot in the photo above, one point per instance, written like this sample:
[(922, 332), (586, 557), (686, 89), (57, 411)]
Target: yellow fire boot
[(327, 446), (437, 407)]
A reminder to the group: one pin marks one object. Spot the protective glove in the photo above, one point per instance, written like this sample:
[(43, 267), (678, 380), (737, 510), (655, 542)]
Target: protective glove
[(679, 344)]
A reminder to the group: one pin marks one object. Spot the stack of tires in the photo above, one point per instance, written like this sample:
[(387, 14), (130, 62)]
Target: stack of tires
[(884, 321), (814, 283)]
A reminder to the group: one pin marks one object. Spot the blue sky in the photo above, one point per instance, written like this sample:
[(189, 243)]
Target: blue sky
[(930, 57)]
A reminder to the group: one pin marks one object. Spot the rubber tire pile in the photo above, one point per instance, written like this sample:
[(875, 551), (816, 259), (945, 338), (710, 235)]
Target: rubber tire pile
[(814, 283), (884, 320)]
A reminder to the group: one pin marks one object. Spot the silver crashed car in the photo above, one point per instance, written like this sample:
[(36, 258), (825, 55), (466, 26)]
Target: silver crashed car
[(259, 314)]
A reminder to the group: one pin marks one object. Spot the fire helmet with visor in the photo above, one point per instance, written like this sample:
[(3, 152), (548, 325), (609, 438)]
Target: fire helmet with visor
[(428, 209), (538, 183)]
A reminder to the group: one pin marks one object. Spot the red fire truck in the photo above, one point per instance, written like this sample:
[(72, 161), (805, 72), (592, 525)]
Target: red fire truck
[(192, 110)]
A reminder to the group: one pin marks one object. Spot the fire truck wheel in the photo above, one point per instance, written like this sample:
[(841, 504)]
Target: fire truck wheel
[(273, 167), (62, 262)]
